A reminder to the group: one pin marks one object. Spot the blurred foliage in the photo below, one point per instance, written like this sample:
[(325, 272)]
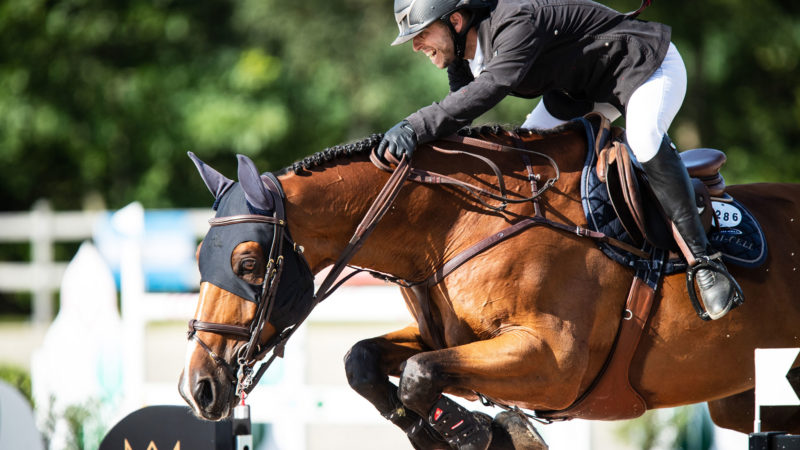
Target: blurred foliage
[(103, 98), (18, 378), (682, 428), (78, 426)]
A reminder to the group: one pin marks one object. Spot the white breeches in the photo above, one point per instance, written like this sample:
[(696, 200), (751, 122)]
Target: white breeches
[(650, 111)]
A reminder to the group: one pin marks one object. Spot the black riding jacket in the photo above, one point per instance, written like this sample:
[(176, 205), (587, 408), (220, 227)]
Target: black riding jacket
[(573, 52)]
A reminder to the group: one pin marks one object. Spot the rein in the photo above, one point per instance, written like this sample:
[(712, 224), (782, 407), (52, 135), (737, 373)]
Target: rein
[(251, 352), (427, 177), (634, 14), (248, 355)]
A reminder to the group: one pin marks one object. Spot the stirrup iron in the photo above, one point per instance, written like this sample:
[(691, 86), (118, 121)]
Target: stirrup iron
[(709, 263)]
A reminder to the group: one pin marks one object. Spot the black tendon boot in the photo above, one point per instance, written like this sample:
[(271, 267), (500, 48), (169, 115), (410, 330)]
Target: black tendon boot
[(462, 429), (671, 185), (419, 432)]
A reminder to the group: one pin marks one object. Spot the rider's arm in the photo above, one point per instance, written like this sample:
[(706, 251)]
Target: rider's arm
[(515, 44)]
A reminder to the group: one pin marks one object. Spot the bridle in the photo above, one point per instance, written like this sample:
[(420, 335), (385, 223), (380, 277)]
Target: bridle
[(249, 353)]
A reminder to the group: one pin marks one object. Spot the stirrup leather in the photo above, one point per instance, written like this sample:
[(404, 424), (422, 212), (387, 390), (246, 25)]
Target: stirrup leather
[(709, 263)]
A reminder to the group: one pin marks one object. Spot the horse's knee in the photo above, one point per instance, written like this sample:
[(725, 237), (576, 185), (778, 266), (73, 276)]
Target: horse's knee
[(362, 366), (420, 384)]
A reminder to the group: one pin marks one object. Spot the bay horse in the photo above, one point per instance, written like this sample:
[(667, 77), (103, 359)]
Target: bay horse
[(527, 323)]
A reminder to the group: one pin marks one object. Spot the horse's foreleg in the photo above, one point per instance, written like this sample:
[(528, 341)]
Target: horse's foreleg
[(368, 365), (511, 366)]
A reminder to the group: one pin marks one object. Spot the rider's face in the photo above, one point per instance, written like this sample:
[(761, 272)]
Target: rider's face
[(435, 41)]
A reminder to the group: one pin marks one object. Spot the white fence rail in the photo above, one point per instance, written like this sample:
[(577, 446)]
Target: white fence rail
[(296, 404), (42, 228)]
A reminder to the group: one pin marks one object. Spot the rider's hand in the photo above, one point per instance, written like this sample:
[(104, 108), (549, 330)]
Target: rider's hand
[(399, 140)]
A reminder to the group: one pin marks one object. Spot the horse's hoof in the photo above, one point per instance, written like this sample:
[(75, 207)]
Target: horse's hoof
[(510, 431)]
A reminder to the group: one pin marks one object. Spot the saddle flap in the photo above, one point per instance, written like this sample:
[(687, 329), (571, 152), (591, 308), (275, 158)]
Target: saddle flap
[(633, 201), (702, 198), (623, 191), (637, 206)]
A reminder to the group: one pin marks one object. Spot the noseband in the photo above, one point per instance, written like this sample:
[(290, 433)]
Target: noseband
[(252, 351), (249, 353)]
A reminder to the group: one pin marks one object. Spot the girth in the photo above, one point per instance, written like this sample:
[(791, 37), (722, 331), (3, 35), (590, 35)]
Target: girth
[(251, 350), (610, 396)]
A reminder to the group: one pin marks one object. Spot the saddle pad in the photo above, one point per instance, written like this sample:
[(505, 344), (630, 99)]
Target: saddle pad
[(739, 236)]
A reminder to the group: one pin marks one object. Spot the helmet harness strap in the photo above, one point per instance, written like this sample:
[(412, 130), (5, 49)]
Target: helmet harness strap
[(459, 38)]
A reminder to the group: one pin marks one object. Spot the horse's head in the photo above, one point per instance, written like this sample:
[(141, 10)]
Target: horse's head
[(256, 287)]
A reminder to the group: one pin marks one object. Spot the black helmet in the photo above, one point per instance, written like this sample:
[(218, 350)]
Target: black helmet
[(413, 16)]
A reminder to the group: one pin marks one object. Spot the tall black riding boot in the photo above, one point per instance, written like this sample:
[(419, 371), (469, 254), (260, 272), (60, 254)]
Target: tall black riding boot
[(671, 185)]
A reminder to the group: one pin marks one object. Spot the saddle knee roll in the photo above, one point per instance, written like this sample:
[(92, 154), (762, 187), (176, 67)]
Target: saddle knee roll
[(636, 205)]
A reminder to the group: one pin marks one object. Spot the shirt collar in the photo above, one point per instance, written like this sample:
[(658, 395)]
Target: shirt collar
[(476, 63)]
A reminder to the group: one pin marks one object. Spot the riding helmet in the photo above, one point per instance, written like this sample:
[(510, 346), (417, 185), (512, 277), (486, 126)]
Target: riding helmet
[(413, 16)]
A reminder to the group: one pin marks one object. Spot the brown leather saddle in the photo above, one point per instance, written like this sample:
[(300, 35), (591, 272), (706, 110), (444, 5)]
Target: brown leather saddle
[(633, 200), (611, 395)]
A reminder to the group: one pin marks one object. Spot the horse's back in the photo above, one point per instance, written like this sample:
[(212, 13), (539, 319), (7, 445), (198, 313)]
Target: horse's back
[(776, 206), (771, 289), (769, 195)]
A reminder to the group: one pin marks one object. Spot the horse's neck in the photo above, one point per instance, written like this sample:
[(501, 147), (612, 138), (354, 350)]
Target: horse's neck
[(425, 226), (323, 209)]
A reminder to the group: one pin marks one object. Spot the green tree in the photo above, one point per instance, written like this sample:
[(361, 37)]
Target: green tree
[(105, 97)]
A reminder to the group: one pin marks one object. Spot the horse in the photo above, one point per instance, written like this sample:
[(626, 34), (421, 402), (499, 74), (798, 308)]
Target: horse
[(528, 322)]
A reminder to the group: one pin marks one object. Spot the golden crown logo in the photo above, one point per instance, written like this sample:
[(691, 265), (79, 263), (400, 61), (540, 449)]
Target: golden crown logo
[(152, 446)]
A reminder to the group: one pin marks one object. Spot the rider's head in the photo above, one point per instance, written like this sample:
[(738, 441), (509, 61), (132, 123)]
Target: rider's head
[(414, 16)]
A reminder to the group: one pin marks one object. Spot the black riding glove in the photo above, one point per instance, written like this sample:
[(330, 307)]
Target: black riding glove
[(399, 140)]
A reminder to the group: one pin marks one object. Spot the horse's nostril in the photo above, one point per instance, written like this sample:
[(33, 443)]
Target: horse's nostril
[(204, 393)]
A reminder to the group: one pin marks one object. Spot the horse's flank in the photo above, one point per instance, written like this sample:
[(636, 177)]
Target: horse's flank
[(720, 354), (540, 287), (544, 287), (530, 321)]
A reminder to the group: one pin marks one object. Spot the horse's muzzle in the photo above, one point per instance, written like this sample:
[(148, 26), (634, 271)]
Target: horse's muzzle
[(209, 398)]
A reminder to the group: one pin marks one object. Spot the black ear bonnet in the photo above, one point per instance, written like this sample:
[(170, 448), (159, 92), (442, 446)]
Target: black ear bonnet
[(295, 290)]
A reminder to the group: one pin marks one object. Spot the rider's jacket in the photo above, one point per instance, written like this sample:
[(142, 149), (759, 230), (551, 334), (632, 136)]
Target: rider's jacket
[(573, 52)]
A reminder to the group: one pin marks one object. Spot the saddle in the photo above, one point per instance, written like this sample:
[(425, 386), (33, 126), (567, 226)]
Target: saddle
[(633, 200)]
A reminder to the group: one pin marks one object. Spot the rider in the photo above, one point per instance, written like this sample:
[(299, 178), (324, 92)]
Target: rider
[(580, 56)]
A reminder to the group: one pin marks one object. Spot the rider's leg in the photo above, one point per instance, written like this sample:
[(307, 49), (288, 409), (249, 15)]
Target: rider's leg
[(650, 111), (671, 185), (541, 119), (608, 110)]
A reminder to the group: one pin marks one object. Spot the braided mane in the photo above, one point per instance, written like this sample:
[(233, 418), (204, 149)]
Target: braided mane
[(367, 144), (335, 152)]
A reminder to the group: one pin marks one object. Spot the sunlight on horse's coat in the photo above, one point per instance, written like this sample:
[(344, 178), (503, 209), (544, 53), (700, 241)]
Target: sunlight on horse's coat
[(530, 321)]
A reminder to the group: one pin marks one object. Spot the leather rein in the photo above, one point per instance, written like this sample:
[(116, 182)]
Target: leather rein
[(249, 353)]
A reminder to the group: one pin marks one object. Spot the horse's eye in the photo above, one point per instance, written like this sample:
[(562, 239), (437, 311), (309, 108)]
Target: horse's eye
[(248, 265)]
